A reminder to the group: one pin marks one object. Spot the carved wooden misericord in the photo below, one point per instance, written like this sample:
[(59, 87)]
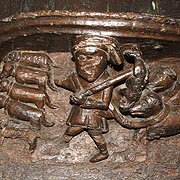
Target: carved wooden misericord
[(120, 70)]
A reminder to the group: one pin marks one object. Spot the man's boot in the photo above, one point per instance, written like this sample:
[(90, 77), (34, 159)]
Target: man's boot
[(103, 153)]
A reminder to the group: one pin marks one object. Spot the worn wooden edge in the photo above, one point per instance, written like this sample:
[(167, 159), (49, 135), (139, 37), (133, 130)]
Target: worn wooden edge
[(131, 25)]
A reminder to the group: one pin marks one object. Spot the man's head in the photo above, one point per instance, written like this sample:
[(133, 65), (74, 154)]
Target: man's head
[(90, 63), (92, 53)]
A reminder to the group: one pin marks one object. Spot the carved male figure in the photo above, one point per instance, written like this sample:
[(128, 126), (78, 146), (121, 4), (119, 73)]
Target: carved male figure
[(89, 113)]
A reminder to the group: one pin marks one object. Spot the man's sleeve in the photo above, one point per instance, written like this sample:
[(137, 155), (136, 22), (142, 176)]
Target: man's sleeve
[(66, 83)]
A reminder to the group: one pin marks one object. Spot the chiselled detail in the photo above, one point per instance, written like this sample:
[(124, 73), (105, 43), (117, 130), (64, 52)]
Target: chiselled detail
[(24, 78), (116, 76), (143, 102)]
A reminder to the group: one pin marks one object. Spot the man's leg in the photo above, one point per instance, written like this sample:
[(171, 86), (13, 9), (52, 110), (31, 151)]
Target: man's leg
[(70, 133), (100, 142)]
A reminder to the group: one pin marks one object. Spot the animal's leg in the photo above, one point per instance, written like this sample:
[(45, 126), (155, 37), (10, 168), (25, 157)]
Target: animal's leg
[(139, 134), (50, 82), (26, 134), (42, 83), (48, 102), (154, 133), (42, 86), (35, 123), (40, 103)]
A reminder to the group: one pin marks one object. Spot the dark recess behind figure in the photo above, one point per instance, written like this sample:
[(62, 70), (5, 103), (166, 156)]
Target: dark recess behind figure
[(160, 7)]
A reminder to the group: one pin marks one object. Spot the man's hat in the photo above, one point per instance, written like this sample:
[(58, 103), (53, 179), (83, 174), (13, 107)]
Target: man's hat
[(109, 45)]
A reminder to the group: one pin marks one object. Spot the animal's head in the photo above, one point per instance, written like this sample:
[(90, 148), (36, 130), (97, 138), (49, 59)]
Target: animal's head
[(162, 78), (4, 84), (12, 56), (150, 104), (2, 101)]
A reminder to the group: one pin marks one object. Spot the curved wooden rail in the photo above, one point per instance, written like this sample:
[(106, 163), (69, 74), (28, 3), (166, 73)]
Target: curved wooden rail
[(111, 24)]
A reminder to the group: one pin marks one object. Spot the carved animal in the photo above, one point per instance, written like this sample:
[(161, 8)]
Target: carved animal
[(37, 59), (151, 113), (163, 121), (24, 112), (26, 94), (26, 75), (163, 80), (34, 76)]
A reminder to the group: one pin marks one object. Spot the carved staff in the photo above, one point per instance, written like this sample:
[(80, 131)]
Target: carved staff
[(109, 82), (139, 71)]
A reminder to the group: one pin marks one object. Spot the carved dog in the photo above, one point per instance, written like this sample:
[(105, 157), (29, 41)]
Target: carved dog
[(164, 81), (26, 75), (150, 113), (26, 94), (37, 59), (154, 111), (24, 112), (34, 76), (162, 124)]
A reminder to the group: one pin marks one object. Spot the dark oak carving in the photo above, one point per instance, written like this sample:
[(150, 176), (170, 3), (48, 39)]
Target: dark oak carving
[(140, 104), (137, 94), (24, 77)]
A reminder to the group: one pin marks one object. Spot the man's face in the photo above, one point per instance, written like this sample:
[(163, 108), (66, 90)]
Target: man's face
[(90, 63)]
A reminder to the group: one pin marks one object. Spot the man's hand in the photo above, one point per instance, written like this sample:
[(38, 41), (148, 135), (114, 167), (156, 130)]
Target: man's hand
[(132, 51), (78, 98)]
